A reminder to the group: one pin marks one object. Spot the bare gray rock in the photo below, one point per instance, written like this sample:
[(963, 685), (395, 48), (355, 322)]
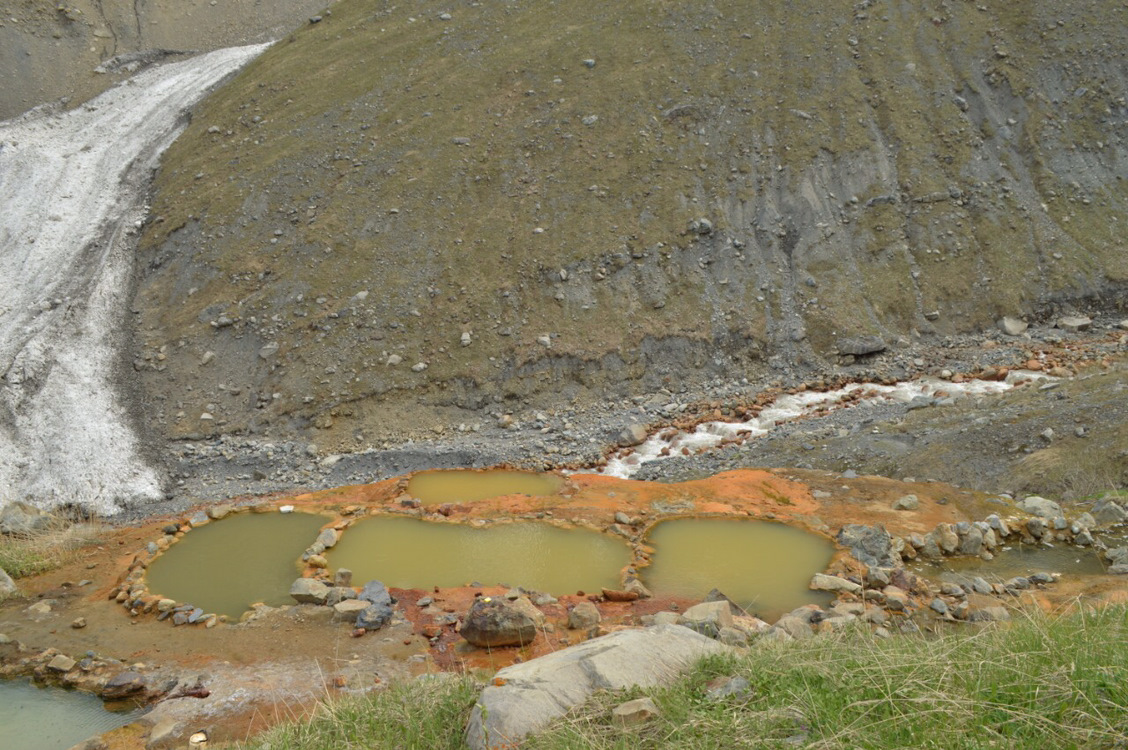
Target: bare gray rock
[(526, 697)]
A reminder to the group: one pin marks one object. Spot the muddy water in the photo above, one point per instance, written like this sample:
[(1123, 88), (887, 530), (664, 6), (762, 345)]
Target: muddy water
[(34, 718), (410, 553), (764, 567), (1020, 560), (438, 487), (228, 565)]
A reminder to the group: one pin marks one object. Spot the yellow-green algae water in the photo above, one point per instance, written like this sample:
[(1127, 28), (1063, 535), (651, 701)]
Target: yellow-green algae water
[(33, 718), (764, 567), (228, 565), (411, 553), (464, 486)]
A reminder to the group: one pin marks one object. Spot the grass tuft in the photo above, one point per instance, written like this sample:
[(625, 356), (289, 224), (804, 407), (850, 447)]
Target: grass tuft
[(429, 712)]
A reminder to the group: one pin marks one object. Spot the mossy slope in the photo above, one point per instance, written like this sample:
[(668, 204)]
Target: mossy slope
[(383, 181)]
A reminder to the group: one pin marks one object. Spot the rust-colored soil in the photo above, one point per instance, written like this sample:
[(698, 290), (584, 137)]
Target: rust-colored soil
[(279, 664)]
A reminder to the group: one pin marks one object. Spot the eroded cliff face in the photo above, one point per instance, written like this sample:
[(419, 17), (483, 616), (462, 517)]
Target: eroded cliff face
[(78, 48), (402, 213)]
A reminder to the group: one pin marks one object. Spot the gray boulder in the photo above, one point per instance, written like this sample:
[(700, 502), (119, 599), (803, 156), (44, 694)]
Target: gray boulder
[(309, 591), (869, 544), (1040, 506), (492, 622), (1107, 511), (529, 696)]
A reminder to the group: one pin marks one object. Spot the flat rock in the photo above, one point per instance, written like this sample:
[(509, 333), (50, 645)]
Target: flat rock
[(527, 697), (824, 582), (349, 608)]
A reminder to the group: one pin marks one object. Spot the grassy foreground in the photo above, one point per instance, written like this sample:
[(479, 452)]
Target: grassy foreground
[(1041, 682)]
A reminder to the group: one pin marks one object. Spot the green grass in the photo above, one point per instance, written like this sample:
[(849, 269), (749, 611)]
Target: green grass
[(1039, 682), (426, 713)]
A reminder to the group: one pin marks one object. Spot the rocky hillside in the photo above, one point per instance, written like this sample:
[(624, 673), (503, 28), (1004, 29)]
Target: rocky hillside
[(407, 216)]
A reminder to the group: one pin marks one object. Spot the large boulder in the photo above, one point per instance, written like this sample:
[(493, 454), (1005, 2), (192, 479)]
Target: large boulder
[(525, 698), (492, 622), (21, 519), (869, 544)]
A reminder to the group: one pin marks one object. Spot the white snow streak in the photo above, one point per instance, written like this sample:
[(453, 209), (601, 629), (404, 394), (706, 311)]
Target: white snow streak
[(71, 191)]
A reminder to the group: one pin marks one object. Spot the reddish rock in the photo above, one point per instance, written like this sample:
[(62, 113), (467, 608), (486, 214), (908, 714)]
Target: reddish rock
[(615, 595)]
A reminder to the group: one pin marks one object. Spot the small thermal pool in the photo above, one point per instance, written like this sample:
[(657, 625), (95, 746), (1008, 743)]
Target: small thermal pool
[(228, 565), (412, 553), (34, 718), (465, 486), (1019, 560), (762, 566)]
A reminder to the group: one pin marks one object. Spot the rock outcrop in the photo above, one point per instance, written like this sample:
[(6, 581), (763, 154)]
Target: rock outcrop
[(526, 697)]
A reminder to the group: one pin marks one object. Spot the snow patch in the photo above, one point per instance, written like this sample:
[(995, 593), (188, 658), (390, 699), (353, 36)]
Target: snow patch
[(71, 187)]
